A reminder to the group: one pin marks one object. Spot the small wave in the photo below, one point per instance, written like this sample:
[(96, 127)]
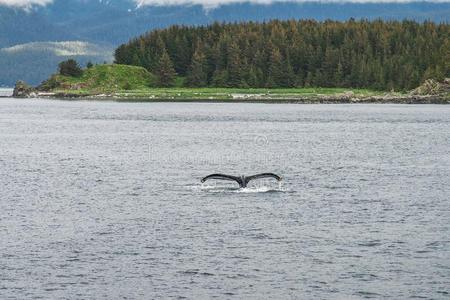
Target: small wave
[(247, 190), (215, 188), (261, 189), (218, 189), (196, 272), (233, 189), (212, 188), (370, 243)]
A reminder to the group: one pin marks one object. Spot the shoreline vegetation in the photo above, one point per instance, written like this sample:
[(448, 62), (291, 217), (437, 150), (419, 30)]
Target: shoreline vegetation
[(279, 61), (130, 83)]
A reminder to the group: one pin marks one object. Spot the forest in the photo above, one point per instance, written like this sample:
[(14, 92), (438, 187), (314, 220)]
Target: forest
[(381, 55)]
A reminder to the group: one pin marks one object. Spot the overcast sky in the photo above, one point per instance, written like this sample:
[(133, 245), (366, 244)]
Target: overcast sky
[(24, 3), (205, 3), (215, 3)]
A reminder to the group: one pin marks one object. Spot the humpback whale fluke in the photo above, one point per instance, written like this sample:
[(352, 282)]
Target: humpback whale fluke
[(241, 180)]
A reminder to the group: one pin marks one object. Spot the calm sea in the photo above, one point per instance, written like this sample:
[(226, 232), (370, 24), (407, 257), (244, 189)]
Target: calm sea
[(102, 200), (5, 92)]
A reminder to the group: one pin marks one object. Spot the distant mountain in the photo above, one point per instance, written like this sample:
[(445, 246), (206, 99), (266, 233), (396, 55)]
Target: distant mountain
[(18, 26), (114, 22), (36, 61)]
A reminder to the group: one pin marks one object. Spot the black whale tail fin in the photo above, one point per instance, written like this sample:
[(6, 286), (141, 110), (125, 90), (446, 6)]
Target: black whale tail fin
[(243, 180), (222, 177), (264, 175)]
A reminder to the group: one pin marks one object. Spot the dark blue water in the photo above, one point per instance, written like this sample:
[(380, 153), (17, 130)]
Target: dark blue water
[(102, 200)]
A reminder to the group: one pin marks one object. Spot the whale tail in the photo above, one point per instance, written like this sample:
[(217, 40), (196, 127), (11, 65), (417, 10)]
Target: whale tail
[(218, 176), (264, 175), (242, 180)]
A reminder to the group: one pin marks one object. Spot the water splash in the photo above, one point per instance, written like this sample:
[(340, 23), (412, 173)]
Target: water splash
[(215, 188), (261, 189)]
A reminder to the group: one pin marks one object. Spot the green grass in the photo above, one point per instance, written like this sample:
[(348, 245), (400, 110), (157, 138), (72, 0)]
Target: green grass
[(220, 93), (239, 93), (104, 79), (131, 82)]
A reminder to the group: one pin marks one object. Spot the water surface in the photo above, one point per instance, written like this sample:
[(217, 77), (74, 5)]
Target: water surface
[(102, 200), (6, 92)]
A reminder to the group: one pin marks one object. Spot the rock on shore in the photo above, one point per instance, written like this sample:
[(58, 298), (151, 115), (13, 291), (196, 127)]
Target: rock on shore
[(433, 87), (23, 90)]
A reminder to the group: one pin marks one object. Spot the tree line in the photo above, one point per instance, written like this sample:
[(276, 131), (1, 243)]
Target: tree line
[(383, 55)]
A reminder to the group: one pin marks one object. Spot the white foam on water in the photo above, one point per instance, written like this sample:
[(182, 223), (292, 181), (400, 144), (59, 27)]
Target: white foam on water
[(214, 188), (217, 188), (260, 189)]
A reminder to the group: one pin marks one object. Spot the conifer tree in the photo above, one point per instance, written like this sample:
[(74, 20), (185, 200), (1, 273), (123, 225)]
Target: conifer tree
[(165, 71), (121, 54), (182, 55), (70, 67), (135, 61), (288, 79), (371, 54), (309, 80), (234, 66), (197, 73), (276, 76), (220, 78), (338, 77), (329, 66), (445, 58), (252, 77)]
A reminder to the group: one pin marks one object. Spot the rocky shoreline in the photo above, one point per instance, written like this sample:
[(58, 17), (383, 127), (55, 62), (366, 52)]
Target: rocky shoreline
[(407, 99), (431, 92)]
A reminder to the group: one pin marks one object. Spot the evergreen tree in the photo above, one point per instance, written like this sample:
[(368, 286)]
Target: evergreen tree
[(276, 76), (338, 77), (445, 58), (289, 77), (197, 74), (135, 60), (309, 80), (318, 79), (372, 54), (121, 54), (70, 67), (329, 66), (252, 77), (182, 55), (220, 78), (165, 71), (234, 66)]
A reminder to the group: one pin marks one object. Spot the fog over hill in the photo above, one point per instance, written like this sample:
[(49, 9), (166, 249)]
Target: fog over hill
[(109, 23), (35, 61)]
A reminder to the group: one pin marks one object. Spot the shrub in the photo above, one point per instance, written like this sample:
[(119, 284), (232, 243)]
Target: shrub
[(70, 67)]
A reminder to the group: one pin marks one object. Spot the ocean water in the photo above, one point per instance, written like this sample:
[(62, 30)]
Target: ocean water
[(6, 92), (103, 200)]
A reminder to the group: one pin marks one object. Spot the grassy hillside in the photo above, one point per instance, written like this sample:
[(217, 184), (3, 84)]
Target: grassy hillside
[(101, 79), (132, 82)]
